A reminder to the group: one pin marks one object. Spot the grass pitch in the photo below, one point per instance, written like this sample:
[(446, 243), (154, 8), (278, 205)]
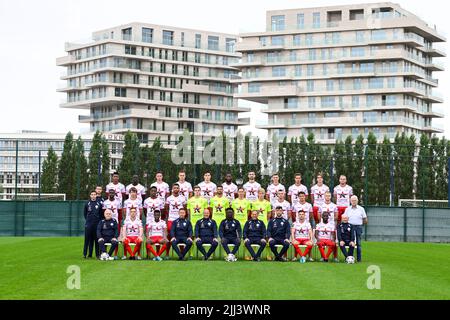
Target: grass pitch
[(35, 268)]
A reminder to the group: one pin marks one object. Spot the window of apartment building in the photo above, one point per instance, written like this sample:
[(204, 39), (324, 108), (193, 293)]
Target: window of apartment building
[(388, 100), (162, 96), (185, 97), (311, 102), (357, 14), (208, 114), (168, 113), (277, 40), (273, 56), (296, 40), (174, 69), (135, 79), (310, 70), (168, 37), (263, 40), (126, 34), (151, 94), (220, 101), (309, 39), (330, 85), (173, 83), (310, 85), (9, 178), (290, 103), (360, 36), (327, 102), (120, 92), (195, 72), (184, 56), (196, 98), (312, 54), (213, 43), (162, 68), (174, 55), (376, 83), (179, 112), (197, 57), (316, 19), (312, 117), (370, 100), (147, 35), (357, 51), (217, 116), (254, 87), (194, 114), (300, 20), (298, 71), (117, 77), (293, 55), (324, 69), (278, 23), (355, 101), (198, 41), (378, 35), (278, 71), (357, 84), (391, 82), (230, 44)]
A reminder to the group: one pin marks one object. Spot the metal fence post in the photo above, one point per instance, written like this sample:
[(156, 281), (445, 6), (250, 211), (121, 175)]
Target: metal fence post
[(391, 178), (366, 181), (70, 218), (448, 181), (78, 178), (17, 170), (99, 171), (39, 177), (405, 224), (423, 206)]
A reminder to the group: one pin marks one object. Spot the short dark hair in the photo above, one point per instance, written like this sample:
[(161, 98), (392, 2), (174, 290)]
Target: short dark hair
[(133, 189)]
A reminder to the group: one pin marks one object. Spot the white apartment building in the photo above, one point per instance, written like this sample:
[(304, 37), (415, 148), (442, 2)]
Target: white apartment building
[(26, 148), (156, 81), (343, 70)]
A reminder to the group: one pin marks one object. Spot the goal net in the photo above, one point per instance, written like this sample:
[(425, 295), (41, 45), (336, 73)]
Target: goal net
[(33, 196), (418, 203)]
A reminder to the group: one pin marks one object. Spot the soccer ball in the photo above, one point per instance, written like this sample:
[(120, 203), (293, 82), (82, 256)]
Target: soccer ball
[(104, 256), (350, 259)]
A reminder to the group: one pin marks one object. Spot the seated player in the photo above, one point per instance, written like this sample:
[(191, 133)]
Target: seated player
[(157, 234), (206, 233), (132, 232), (326, 236), (302, 235), (116, 211), (230, 233), (181, 233), (107, 232), (278, 232), (255, 233), (346, 235)]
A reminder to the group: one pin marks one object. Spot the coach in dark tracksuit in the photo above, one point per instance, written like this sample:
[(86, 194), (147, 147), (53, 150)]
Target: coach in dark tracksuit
[(107, 232), (206, 233), (278, 232), (230, 232), (92, 214), (255, 233), (346, 234), (181, 232)]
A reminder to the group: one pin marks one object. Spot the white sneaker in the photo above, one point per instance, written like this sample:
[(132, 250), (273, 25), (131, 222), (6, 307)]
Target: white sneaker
[(124, 258), (104, 256), (234, 258), (138, 258), (311, 259), (229, 257), (110, 258)]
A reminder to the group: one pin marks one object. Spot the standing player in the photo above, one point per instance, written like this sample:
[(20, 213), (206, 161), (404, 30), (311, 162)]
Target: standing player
[(318, 195), (132, 233), (157, 234), (196, 206), (241, 207), (185, 187), (92, 215), (119, 189), (296, 188), (173, 205), (303, 206), (133, 202), (342, 194), (229, 188), (262, 206), (326, 236), (207, 187), (251, 187), (99, 191), (152, 203), (272, 189), (139, 187), (330, 208), (302, 235), (162, 188), (219, 203), (281, 202)]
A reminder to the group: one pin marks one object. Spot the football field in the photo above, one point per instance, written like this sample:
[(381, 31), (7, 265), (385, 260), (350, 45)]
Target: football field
[(36, 268)]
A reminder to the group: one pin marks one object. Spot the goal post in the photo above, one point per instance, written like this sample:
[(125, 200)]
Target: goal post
[(419, 203), (33, 196)]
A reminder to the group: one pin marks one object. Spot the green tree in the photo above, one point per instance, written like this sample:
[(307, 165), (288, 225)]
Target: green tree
[(49, 177), (349, 159), (358, 166), (95, 161), (339, 161), (105, 162), (384, 154), (424, 169), (131, 162), (441, 172), (66, 168), (81, 178)]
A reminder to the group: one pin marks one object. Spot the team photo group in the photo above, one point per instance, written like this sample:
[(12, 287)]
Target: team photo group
[(202, 219)]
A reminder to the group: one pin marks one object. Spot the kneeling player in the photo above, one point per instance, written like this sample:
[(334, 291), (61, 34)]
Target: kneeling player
[(206, 233), (132, 233), (326, 236), (181, 233), (255, 233), (107, 232), (302, 236), (346, 234), (157, 235)]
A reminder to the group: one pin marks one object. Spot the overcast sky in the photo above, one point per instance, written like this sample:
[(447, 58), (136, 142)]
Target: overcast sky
[(33, 34)]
